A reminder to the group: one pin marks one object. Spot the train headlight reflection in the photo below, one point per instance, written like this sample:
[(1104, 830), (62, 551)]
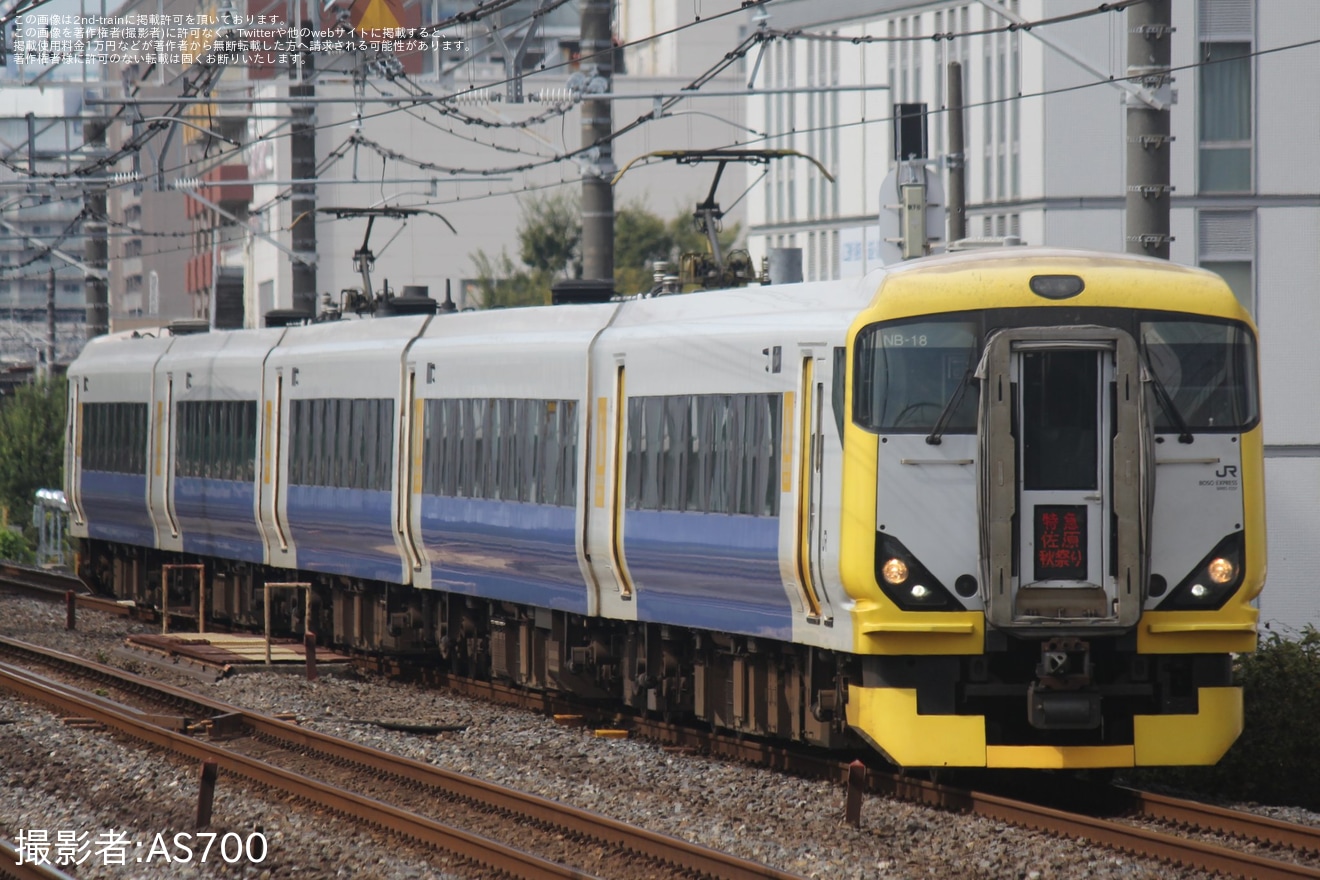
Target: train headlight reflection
[(895, 571), (1222, 570)]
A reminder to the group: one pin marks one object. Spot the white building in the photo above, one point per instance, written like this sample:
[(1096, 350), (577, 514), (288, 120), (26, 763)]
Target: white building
[(481, 199), (1045, 160)]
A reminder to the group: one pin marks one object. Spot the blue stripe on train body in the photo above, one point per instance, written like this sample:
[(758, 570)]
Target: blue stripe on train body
[(344, 531), (713, 571), (216, 518), (510, 551), (115, 505)]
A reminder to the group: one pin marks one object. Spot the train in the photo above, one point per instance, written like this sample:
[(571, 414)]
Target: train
[(995, 509)]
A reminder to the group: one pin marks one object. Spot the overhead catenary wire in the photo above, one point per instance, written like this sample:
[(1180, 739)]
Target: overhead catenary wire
[(569, 154)]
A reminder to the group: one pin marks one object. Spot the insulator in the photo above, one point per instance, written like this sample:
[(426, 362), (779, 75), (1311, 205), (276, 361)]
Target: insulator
[(474, 96), (557, 96)]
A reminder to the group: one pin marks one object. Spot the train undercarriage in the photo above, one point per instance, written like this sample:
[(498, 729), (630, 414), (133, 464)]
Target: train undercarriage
[(736, 683)]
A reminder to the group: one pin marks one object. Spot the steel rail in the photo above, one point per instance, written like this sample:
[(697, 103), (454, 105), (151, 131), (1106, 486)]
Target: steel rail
[(1264, 829), (1139, 841), (40, 579), (488, 853), (661, 847), (11, 869), (1022, 813)]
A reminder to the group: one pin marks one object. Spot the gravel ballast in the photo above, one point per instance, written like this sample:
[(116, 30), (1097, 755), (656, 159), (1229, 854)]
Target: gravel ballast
[(57, 777)]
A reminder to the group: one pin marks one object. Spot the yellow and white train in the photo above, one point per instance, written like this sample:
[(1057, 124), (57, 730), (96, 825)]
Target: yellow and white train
[(995, 509)]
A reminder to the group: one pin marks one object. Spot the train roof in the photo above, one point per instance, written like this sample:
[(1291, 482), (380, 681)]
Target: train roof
[(1000, 278)]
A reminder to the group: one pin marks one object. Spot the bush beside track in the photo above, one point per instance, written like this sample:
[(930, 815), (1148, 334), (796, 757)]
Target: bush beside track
[(1274, 761)]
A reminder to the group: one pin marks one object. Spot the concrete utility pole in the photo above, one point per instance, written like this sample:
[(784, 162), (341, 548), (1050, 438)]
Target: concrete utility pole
[(95, 248), (50, 324), (1148, 189), (302, 161), (957, 157), (597, 49)]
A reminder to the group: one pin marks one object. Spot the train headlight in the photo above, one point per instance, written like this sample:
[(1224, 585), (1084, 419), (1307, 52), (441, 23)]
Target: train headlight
[(905, 581), (1215, 578), (1221, 570)]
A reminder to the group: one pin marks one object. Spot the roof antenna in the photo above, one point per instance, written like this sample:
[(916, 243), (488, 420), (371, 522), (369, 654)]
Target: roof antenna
[(448, 305)]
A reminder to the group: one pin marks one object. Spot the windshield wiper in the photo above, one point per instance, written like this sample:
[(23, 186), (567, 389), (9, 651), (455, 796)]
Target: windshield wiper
[(1166, 403), (934, 438)]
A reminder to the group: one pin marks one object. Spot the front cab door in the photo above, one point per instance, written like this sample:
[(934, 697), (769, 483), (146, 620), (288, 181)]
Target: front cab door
[(1062, 476)]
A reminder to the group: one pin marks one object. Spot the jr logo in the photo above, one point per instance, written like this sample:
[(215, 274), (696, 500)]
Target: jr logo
[(1228, 470)]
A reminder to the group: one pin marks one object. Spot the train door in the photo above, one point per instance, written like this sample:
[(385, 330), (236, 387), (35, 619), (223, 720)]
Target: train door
[(1070, 425), (810, 515), (271, 508), (160, 469), (412, 446), (603, 506), (73, 452)]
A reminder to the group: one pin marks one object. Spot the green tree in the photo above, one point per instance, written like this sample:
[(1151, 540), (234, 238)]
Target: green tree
[(31, 445), (550, 248), (14, 547), (549, 245)]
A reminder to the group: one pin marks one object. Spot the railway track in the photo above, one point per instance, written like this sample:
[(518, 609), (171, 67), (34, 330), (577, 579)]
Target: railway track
[(294, 760), (1152, 825), (56, 585)]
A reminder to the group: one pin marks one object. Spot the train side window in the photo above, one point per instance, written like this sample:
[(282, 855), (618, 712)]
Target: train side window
[(227, 436), (633, 456), (545, 452), (568, 429), (506, 462), (721, 447), (385, 443), (317, 434), (210, 429), (143, 420), (249, 440), (347, 468), (297, 444), (132, 451), (113, 440), (349, 422), (705, 469), (529, 447), (770, 452), (474, 414)]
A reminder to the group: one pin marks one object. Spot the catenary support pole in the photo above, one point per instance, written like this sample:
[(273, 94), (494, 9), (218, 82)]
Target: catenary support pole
[(302, 158), (1148, 189), (957, 157), (95, 248), (597, 126), (50, 325)]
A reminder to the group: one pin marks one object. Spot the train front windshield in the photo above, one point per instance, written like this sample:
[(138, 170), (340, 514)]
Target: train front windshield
[(1208, 370), (909, 372)]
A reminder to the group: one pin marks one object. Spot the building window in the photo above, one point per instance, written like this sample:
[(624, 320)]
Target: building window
[(1226, 244), (1226, 30), (1225, 117)]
